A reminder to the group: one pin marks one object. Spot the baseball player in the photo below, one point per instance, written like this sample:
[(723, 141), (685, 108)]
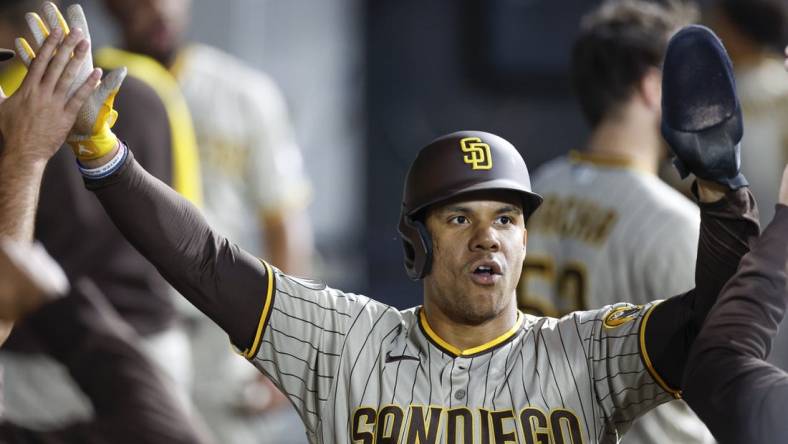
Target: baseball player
[(82, 331), (740, 396), (610, 230), (255, 193), (466, 366)]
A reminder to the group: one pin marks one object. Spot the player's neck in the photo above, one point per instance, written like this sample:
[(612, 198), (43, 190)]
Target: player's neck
[(465, 336), (634, 139)]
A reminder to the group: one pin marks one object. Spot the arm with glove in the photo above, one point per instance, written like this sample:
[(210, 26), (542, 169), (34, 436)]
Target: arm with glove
[(61, 97), (702, 123), (159, 223)]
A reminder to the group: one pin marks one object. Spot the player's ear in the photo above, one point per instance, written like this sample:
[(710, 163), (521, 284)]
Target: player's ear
[(525, 237), (650, 89)]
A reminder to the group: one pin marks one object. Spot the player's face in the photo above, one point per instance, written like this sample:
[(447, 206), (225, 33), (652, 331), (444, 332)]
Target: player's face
[(152, 27), (478, 252)]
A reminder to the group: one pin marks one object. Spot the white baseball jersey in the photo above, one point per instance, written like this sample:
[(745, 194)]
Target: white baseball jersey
[(609, 233), (250, 161), (359, 371)]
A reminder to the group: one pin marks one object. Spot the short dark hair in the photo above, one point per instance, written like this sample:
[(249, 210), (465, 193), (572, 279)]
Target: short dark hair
[(618, 43), (763, 21)]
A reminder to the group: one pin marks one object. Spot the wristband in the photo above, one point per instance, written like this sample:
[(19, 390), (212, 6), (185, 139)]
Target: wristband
[(108, 168)]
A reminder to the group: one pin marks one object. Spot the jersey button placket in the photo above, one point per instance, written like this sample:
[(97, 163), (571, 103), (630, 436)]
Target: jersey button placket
[(459, 380)]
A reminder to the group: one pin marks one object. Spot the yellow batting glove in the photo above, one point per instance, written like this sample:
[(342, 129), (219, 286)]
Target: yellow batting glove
[(91, 137)]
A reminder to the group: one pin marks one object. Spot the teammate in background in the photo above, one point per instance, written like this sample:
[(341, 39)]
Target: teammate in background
[(255, 194), (754, 32), (132, 402), (610, 230), (39, 391), (467, 364)]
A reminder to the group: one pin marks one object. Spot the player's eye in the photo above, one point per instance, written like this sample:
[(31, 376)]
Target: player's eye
[(505, 220), (459, 220)]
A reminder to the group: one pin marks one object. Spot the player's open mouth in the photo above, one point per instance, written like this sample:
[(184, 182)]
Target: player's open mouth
[(486, 273)]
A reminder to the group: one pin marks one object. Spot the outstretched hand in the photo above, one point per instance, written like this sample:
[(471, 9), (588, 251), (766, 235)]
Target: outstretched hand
[(91, 136), (35, 121)]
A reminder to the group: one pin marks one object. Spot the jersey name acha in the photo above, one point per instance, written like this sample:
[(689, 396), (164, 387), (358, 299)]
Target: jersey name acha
[(360, 371)]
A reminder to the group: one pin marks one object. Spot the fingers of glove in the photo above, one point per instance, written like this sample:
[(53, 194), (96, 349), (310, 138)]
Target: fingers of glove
[(105, 97), (76, 18), (38, 29), (65, 83), (110, 85), (39, 64), (54, 18), (84, 92), (24, 50)]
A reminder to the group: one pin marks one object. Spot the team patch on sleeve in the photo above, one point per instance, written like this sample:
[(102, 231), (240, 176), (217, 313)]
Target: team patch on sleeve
[(621, 315)]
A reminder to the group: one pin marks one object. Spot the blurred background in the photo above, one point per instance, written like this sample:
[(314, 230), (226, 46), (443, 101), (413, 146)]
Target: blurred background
[(369, 83)]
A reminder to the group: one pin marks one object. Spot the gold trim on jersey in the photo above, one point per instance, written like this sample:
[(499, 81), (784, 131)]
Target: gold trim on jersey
[(606, 160), (250, 352), (647, 360), (432, 336)]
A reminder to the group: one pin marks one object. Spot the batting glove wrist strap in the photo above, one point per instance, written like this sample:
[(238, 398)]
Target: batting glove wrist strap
[(93, 146)]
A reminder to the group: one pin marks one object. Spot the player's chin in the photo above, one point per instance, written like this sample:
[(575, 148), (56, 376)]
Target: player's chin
[(483, 309), (486, 300)]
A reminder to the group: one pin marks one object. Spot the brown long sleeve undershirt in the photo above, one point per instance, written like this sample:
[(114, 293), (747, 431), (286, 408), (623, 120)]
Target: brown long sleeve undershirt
[(221, 280), (728, 227), (132, 403), (727, 383), (228, 284)]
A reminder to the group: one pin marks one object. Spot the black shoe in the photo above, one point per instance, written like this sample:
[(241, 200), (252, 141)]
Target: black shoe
[(701, 115)]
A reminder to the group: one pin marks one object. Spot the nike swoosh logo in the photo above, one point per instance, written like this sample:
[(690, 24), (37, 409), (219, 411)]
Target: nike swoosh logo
[(395, 358), (84, 150)]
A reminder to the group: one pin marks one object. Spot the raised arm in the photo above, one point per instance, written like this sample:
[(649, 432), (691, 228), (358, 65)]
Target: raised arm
[(29, 140), (223, 281), (702, 123), (735, 392), (727, 382)]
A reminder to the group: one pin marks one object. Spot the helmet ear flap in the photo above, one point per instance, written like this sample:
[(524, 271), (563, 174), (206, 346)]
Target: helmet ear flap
[(417, 246)]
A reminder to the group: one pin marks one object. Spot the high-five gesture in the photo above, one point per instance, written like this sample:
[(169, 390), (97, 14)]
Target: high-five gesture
[(91, 136), (34, 121)]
